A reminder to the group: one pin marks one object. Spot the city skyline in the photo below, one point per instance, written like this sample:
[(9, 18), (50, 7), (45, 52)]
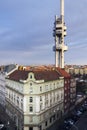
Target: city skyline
[(26, 29)]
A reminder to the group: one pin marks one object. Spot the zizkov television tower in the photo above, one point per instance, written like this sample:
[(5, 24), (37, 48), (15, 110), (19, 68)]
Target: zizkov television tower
[(59, 32)]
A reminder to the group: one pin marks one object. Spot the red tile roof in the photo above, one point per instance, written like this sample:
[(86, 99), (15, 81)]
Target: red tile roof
[(63, 72), (47, 75), (18, 75)]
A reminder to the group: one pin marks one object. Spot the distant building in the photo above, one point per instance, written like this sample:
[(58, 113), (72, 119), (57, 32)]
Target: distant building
[(76, 69), (35, 99), (85, 70)]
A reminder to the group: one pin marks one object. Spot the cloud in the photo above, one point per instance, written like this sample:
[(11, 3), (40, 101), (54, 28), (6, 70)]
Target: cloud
[(26, 28)]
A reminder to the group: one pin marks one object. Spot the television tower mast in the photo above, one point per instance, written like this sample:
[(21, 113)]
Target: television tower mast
[(59, 32)]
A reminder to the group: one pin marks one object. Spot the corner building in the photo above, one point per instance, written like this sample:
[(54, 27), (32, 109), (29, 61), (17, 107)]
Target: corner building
[(35, 98)]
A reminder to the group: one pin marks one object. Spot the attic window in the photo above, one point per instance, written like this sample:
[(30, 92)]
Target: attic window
[(30, 76)]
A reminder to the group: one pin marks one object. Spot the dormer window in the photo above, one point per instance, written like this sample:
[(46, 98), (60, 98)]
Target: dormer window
[(30, 76)]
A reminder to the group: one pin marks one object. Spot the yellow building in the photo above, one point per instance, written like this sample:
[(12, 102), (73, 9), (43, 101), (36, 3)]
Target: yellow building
[(85, 70)]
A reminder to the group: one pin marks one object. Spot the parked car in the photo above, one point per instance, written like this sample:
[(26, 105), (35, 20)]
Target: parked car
[(82, 109), (74, 117), (64, 127), (68, 123), (1, 126), (78, 113)]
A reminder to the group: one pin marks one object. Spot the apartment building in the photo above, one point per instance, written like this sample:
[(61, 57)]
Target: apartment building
[(72, 93), (5, 70), (85, 70), (76, 69), (67, 80), (35, 98)]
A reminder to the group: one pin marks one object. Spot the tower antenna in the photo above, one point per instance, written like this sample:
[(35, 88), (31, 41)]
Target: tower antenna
[(59, 32)]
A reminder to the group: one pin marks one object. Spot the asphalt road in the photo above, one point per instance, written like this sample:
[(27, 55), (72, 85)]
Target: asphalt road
[(81, 124)]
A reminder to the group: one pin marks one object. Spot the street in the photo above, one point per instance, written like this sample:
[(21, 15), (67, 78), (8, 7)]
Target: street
[(81, 124), (6, 120)]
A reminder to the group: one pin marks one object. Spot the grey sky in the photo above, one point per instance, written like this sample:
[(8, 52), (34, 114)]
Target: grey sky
[(26, 28)]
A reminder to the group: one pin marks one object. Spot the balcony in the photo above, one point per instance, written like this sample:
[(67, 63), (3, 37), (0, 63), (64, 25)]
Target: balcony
[(65, 47)]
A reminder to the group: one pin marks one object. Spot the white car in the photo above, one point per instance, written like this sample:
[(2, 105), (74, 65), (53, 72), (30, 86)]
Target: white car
[(1, 126), (78, 113)]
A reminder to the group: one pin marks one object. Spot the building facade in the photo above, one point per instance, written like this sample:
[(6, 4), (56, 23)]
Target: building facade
[(67, 80), (2, 89), (35, 99), (5, 70), (76, 69), (72, 92)]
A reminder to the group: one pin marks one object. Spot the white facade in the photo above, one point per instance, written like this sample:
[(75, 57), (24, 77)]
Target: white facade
[(34, 104), (14, 102), (3, 85), (2, 89)]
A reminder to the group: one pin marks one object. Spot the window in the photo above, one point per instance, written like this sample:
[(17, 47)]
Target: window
[(40, 88), (30, 84), (65, 88), (31, 118), (46, 87), (53, 117), (9, 96), (31, 89), (50, 119), (40, 127), (62, 95), (31, 99), (65, 81), (65, 100), (46, 123), (57, 96), (57, 115), (14, 97), (18, 101), (31, 108), (40, 98), (22, 103), (41, 106), (30, 128), (30, 76), (57, 83)]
